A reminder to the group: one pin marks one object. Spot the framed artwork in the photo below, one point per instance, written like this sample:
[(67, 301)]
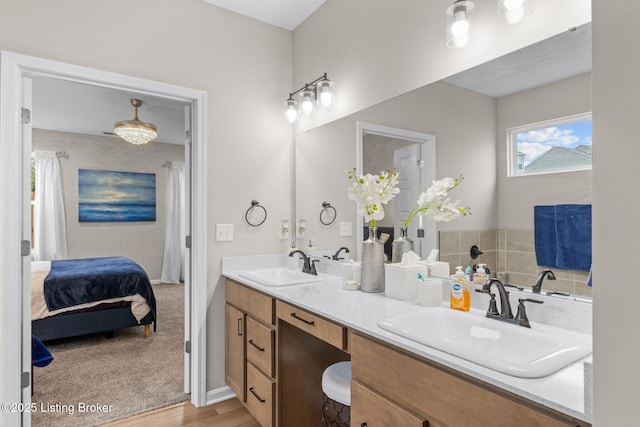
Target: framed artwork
[(111, 196)]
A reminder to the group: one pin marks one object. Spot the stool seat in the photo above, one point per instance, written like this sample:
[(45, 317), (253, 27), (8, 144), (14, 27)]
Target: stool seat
[(336, 382)]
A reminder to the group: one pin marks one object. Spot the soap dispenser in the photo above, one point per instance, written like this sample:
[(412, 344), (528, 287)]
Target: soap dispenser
[(293, 262), (310, 248), (481, 275), (460, 299)]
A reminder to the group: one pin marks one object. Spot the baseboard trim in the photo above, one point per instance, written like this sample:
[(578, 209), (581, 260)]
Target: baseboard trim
[(219, 395), (155, 282)]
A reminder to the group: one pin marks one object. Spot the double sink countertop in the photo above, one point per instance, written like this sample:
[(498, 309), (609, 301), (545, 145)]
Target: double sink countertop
[(563, 391)]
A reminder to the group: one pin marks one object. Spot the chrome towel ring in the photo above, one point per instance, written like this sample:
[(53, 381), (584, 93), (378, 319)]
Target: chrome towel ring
[(256, 215), (328, 214)]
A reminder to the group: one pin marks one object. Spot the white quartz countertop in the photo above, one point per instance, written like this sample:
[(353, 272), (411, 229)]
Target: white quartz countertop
[(361, 311)]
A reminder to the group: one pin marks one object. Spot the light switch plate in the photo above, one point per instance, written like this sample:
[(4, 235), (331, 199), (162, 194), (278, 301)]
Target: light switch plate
[(345, 229), (224, 232)]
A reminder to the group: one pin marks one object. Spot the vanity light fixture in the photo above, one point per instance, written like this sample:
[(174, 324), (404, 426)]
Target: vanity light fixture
[(318, 92), (459, 28), (134, 131), (513, 11)]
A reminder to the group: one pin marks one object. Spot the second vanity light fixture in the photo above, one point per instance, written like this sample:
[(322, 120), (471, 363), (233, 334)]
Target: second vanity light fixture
[(459, 29), (513, 11), (459, 18), (319, 91)]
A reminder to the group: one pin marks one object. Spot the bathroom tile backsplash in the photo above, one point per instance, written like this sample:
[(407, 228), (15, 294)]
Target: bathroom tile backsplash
[(510, 251)]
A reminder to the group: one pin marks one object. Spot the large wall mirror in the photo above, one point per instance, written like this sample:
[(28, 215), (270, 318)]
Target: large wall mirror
[(468, 115)]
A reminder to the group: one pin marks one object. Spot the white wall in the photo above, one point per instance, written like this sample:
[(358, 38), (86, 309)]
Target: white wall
[(141, 241), (518, 195), (374, 50), (616, 230), (243, 65)]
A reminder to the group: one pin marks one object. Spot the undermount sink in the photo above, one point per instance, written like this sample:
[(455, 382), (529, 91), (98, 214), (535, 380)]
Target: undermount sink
[(279, 277), (511, 349)]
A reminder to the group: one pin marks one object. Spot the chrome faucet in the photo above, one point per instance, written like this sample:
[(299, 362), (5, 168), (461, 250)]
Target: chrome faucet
[(337, 254), (506, 314), (544, 273), (308, 266)]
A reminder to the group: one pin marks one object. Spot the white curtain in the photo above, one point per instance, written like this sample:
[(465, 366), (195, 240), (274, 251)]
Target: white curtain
[(50, 231), (173, 262)]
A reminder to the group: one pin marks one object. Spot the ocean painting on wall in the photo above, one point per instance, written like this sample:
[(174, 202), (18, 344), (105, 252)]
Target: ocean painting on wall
[(109, 196)]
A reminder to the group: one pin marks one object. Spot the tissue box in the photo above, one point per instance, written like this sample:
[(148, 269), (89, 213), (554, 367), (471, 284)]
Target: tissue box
[(430, 293), (401, 282), (438, 269)]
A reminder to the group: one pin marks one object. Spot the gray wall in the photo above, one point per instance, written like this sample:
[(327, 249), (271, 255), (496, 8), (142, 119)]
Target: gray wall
[(517, 195), (141, 241), (325, 154), (616, 231), (243, 65)]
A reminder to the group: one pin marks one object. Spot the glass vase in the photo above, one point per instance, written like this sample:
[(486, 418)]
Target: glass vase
[(400, 245), (372, 276)]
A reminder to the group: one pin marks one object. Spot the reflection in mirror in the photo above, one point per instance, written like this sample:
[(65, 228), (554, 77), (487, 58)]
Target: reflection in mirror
[(412, 155), (470, 115)]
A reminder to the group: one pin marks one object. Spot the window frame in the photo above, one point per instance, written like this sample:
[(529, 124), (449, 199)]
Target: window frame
[(512, 143)]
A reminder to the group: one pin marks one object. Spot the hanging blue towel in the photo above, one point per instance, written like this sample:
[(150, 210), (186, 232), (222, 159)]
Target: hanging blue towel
[(573, 237), (544, 230), (40, 355)]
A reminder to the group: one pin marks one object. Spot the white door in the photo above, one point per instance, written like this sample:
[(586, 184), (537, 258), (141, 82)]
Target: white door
[(406, 162), (187, 252)]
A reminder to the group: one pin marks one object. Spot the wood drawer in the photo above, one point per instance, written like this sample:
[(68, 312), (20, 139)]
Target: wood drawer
[(327, 331), (372, 410), (259, 305), (260, 396), (260, 345), (442, 394)]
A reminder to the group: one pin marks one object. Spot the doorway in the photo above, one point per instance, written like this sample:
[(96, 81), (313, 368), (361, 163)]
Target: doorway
[(400, 147), (15, 147)]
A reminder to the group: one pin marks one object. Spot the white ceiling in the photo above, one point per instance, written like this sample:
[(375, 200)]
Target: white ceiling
[(287, 14), (80, 108), (559, 57)]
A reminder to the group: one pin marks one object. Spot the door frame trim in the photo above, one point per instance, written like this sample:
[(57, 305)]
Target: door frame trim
[(428, 152), (13, 68)]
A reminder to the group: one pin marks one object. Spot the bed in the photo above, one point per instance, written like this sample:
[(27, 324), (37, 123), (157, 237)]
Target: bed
[(91, 295)]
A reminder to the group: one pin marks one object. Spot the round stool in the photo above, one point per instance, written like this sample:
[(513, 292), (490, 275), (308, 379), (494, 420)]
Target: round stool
[(336, 394)]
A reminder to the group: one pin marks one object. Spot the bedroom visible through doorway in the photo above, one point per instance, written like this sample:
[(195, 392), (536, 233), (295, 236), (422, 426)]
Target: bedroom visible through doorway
[(16, 70)]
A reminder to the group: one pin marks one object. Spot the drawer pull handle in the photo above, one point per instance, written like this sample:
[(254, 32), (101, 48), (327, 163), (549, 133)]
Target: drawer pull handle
[(256, 396), (308, 322), (363, 425), (256, 345), (240, 326)]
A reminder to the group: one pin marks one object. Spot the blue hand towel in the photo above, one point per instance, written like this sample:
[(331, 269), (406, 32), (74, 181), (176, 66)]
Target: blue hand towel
[(40, 355), (544, 230), (573, 237)]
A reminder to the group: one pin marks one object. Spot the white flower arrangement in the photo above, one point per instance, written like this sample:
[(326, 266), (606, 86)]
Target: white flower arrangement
[(435, 205), (370, 192)]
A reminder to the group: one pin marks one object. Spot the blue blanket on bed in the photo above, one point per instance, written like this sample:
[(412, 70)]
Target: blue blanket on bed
[(79, 281)]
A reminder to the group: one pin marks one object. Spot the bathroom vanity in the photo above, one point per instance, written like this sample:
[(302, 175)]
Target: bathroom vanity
[(280, 340)]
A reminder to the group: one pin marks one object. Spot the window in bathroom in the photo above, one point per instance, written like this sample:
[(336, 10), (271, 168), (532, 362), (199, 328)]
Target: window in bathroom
[(558, 145)]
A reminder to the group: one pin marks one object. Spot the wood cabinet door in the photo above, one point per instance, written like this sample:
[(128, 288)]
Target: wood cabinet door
[(235, 365), (369, 409)]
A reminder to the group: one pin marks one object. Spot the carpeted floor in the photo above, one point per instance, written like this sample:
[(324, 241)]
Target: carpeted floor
[(95, 379)]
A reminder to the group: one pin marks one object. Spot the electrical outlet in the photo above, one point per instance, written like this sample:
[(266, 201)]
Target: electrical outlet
[(224, 232), (345, 229)]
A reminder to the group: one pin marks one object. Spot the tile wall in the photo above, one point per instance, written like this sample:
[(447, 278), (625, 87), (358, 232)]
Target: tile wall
[(509, 251)]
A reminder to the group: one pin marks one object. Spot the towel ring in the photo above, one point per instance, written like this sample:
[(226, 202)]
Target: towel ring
[(327, 214), (255, 222)]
